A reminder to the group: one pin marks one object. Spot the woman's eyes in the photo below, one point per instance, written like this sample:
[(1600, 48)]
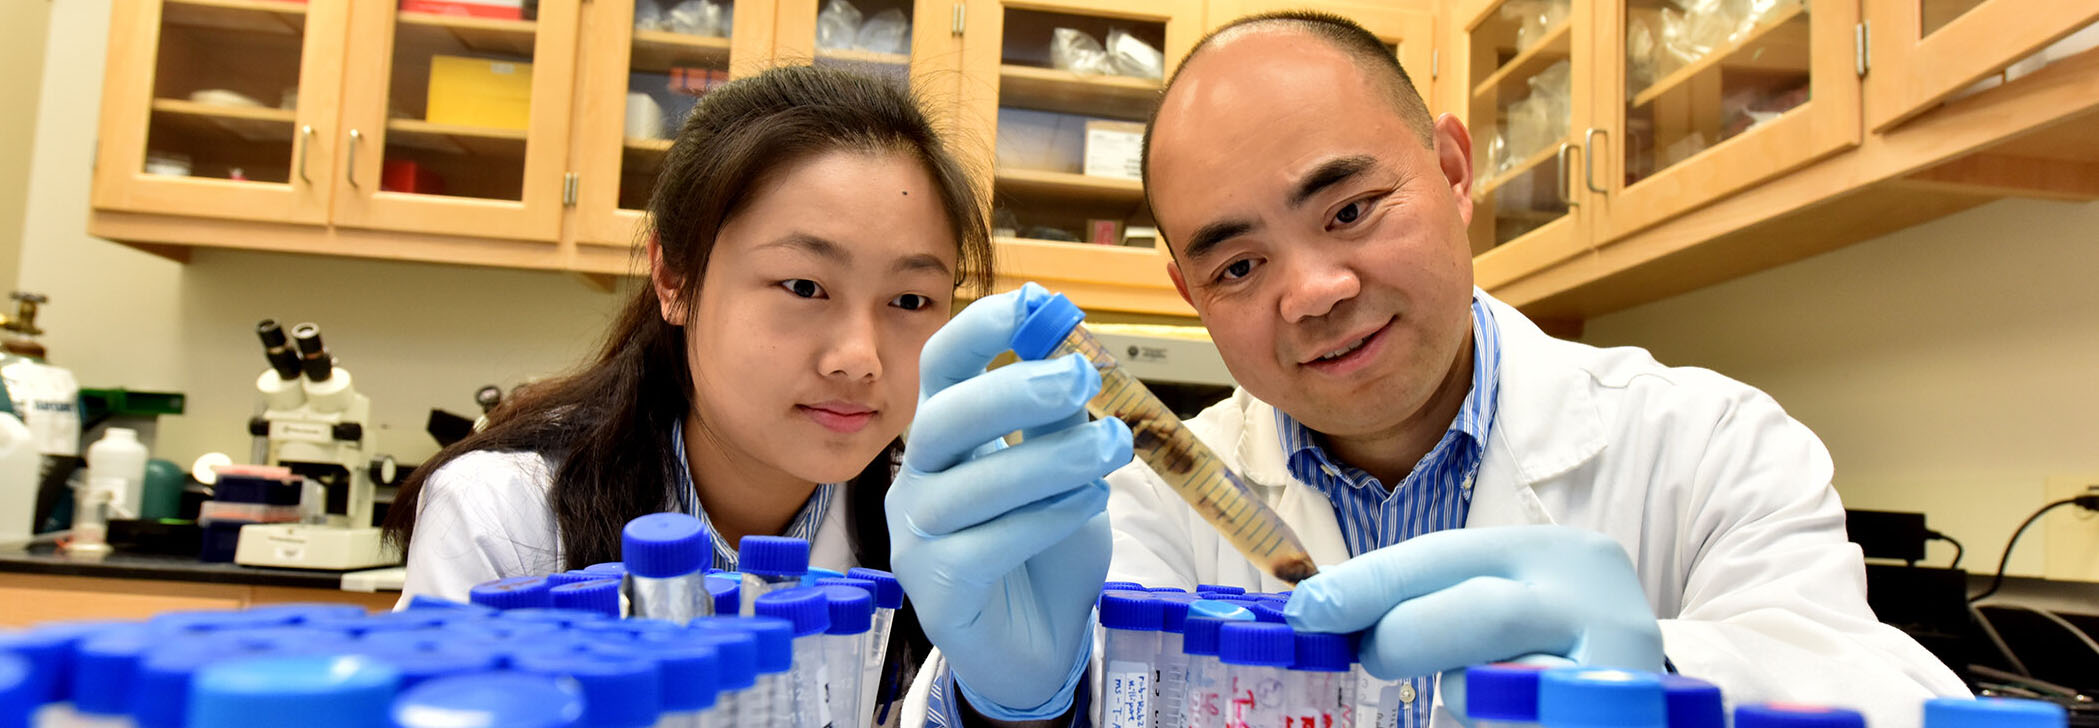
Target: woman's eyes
[(802, 287), (805, 288)]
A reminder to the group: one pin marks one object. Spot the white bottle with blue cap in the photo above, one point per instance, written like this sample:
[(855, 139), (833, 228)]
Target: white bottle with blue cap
[(1584, 697), (491, 700), (1130, 640), (1993, 713), (810, 613), (309, 692), (1320, 687), (619, 691), (769, 564), (666, 556)]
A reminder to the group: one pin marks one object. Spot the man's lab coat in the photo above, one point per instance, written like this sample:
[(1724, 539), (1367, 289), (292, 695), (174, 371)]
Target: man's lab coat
[(1723, 502)]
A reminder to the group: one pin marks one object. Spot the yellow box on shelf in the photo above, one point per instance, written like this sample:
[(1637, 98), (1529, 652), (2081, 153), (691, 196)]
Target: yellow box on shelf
[(479, 92)]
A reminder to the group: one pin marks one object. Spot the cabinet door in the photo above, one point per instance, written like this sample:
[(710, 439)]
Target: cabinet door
[(221, 108), (913, 42), (1031, 122), (456, 124), (1926, 50), (639, 74), (1699, 105), (1522, 67)]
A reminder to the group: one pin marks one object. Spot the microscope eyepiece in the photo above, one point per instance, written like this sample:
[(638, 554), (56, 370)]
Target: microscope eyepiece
[(313, 355), (277, 349)]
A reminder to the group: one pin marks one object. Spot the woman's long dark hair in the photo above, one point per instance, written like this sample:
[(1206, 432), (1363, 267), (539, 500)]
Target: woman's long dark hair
[(610, 424)]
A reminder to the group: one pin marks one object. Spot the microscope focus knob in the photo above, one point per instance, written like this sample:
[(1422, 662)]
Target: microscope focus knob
[(349, 431), (385, 471), (258, 427)]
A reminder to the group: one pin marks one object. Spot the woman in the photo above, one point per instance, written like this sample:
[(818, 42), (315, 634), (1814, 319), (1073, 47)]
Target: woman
[(808, 232)]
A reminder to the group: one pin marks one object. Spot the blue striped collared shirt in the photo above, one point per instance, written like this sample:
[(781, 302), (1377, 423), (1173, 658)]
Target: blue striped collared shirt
[(1434, 496), (803, 526)]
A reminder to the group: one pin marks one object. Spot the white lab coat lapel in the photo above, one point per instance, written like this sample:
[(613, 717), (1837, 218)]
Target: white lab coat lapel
[(1545, 424)]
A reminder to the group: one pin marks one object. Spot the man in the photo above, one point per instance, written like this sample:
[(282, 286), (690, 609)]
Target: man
[(1494, 493)]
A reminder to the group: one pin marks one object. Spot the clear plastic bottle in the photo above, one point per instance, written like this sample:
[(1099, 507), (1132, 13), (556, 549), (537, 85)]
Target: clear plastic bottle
[(1587, 697), (1993, 713), (1320, 689), (264, 692), (889, 597), (770, 701), (1503, 695), (619, 691), (845, 648), (1255, 655), (810, 613), (1693, 703), (1130, 641), (490, 700), (1208, 701), (769, 564), (666, 556), (1783, 715), (1170, 667)]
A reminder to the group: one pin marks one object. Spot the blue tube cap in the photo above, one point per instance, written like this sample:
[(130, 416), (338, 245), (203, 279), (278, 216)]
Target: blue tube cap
[(1506, 692), (1269, 612), (1122, 585), (1219, 589), (1323, 652), (422, 665), (425, 601), (1131, 610), (517, 592), (598, 598), (1580, 697), (889, 593), (686, 669), (579, 575), (105, 669), (1783, 715), (303, 612), (738, 652), (324, 692), (161, 697), (772, 556), (20, 690), (727, 592), (618, 691), (491, 700), (608, 567), (1256, 643), (1051, 317), (772, 637), (1993, 713), (808, 609), (852, 607), (1173, 610), (557, 615), (665, 545), (1693, 703)]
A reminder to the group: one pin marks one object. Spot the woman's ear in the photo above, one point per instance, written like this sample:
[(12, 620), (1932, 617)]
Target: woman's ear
[(667, 285)]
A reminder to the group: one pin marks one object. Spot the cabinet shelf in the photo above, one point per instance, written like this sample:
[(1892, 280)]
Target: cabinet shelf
[(1096, 277), (270, 17), (1778, 45), (250, 123), (1048, 89), (479, 35), (1066, 187), (1529, 164), (859, 56), (456, 138), (1556, 46), (662, 50)]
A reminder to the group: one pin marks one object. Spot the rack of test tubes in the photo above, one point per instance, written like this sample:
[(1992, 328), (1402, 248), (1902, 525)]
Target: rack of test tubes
[(652, 641), (1224, 658)]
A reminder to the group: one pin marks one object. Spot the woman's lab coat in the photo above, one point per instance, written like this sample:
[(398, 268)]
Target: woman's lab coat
[(1723, 502)]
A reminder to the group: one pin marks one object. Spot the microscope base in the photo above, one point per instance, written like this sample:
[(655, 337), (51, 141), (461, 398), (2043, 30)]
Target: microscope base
[(301, 546)]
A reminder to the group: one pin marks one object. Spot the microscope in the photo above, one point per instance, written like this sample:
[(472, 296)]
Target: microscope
[(314, 423)]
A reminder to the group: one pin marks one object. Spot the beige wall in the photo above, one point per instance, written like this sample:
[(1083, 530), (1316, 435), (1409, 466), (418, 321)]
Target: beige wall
[(414, 336), (22, 27), (1952, 368)]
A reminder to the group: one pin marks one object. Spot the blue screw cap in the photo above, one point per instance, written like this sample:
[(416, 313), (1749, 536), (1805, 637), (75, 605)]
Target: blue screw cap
[(598, 598), (324, 692), (1256, 643), (517, 592), (889, 593), (1581, 697), (804, 607), (491, 700), (1506, 692), (773, 556), (852, 607), (618, 691), (1993, 713), (1173, 610), (665, 545), (1131, 610), (1050, 317), (1324, 652), (727, 592), (1693, 703), (1783, 715), (686, 668), (737, 651), (772, 637)]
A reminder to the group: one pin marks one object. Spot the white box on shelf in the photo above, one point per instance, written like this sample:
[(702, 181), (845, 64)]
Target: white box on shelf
[(1114, 149)]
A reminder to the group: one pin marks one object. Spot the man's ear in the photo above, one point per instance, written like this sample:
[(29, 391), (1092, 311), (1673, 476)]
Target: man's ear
[(1454, 156), (667, 285), (1173, 270)]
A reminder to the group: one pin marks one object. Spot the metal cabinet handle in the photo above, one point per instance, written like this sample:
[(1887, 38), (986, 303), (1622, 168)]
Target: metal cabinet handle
[(1567, 170), (355, 137), (305, 143), (1589, 171)]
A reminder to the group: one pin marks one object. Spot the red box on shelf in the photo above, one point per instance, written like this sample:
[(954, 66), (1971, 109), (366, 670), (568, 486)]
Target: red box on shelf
[(468, 8), (406, 176)]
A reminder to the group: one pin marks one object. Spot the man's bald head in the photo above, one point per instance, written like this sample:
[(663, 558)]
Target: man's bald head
[(1370, 55)]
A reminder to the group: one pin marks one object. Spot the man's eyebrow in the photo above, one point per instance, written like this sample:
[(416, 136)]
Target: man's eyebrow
[(1329, 173), (812, 244), (1213, 234)]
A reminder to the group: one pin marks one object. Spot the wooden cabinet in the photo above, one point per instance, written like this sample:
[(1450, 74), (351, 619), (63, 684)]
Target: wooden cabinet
[(1927, 50), (1520, 70)]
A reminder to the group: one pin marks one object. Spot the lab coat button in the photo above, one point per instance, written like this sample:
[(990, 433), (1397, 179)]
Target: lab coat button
[(1406, 693)]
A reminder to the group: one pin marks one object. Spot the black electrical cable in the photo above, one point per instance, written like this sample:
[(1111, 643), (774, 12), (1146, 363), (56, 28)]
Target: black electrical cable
[(1998, 581), (1958, 550)]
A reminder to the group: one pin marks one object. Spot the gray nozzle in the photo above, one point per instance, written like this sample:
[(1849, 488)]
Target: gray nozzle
[(313, 355), (278, 349)]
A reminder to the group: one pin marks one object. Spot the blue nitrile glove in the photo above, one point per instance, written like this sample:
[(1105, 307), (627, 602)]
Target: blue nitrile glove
[(1003, 549), (1446, 600)]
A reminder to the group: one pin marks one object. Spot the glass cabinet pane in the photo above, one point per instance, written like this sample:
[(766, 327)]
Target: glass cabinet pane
[(869, 36), (1074, 93), (680, 51), (1937, 13), (459, 100), (1699, 72), (1522, 96), (226, 90)]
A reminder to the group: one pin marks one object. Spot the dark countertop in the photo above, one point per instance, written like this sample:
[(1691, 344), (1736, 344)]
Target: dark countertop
[(120, 565)]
